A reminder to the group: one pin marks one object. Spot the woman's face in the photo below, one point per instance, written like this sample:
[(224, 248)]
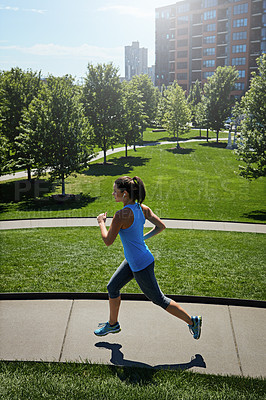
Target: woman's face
[(118, 195)]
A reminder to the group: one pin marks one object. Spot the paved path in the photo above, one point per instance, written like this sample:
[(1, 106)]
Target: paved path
[(170, 223), (232, 342)]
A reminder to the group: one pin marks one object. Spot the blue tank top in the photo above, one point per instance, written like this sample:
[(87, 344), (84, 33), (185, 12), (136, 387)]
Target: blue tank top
[(136, 251)]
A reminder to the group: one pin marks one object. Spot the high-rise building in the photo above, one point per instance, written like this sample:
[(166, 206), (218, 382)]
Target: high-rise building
[(136, 60), (194, 37)]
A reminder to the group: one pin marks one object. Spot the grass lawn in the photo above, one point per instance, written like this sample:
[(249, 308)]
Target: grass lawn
[(25, 381), (204, 263), (197, 182)]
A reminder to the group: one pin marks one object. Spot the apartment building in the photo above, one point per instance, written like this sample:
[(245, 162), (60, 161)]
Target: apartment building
[(194, 37), (136, 60)]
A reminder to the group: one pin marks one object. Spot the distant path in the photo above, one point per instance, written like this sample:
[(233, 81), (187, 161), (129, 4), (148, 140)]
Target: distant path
[(170, 223), (23, 174)]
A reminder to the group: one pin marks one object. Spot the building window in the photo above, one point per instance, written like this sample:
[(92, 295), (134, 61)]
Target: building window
[(240, 22), (182, 19), (207, 74), (242, 73), (209, 39), (239, 61), (210, 51), (239, 48), (182, 43), (209, 3), (240, 35), (239, 86), (181, 65), (182, 76), (183, 8), (182, 31), (241, 9), (208, 63), (182, 54), (210, 27), (209, 15)]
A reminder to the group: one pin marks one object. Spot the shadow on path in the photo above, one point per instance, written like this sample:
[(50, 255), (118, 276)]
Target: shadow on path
[(117, 358)]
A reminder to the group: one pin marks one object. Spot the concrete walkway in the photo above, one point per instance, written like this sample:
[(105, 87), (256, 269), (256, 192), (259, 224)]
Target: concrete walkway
[(170, 223), (232, 341)]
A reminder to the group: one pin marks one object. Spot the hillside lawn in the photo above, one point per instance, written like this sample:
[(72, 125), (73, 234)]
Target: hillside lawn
[(199, 181)]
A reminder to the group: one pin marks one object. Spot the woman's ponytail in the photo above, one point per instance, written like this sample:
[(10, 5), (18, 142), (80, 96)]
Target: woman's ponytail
[(139, 189)]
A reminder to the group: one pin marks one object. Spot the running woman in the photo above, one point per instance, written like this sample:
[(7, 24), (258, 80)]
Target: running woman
[(139, 261)]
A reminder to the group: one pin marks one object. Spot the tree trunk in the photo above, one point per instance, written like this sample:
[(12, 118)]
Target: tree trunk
[(63, 185), (200, 132), (217, 135), (29, 173), (126, 148), (207, 134)]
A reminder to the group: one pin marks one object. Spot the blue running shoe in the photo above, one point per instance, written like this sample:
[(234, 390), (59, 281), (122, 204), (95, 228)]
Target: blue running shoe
[(106, 328), (195, 329)]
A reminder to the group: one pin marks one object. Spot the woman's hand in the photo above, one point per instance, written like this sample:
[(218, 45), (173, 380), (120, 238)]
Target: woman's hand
[(102, 217)]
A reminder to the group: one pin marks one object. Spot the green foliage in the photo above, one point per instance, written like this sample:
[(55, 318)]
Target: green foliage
[(17, 90), (217, 96), (252, 143), (177, 112), (194, 98), (54, 132), (102, 102), (149, 96), (132, 115)]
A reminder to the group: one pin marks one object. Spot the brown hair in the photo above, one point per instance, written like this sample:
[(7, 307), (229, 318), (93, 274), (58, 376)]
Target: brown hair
[(134, 186)]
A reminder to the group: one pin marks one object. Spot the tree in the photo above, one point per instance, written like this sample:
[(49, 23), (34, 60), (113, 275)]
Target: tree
[(101, 98), (194, 98), (55, 121), (177, 114), (252, 143), (200, 114), (149, 97), (217, 92), (17, 90), (132, 116)]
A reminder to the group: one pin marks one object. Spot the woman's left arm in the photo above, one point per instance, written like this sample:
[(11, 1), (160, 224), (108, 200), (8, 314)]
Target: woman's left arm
[(155, 220), (110, 235)]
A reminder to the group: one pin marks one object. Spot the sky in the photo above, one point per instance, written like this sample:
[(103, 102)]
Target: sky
[(61, 37)]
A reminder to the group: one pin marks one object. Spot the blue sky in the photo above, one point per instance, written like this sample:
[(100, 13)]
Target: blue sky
[(61, 36)]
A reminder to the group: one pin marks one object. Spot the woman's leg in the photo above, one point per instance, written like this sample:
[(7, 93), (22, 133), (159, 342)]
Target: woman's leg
[(176, 310), (147, 282), (120, 278)]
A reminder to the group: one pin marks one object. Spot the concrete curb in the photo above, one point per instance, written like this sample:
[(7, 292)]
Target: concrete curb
[(132, 297)]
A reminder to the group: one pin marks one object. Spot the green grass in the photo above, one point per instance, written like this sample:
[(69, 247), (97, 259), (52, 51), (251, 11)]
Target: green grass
[(197, 182), (34, 381), (204, 263), (150, 136)]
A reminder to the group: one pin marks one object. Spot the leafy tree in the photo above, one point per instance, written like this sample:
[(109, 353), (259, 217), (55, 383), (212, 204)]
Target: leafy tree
[(17, 90), (149, 96), (55, 122), (217, 91), (133, 115), (252, 143), (200, 114), (194, 98), (177, 114), (102, 102)]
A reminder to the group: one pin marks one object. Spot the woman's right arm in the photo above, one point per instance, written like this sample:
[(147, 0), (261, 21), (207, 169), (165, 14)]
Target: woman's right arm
[(159, 226)]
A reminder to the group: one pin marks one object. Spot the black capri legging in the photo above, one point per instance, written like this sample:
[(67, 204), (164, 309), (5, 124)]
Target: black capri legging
[(145, 279)]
